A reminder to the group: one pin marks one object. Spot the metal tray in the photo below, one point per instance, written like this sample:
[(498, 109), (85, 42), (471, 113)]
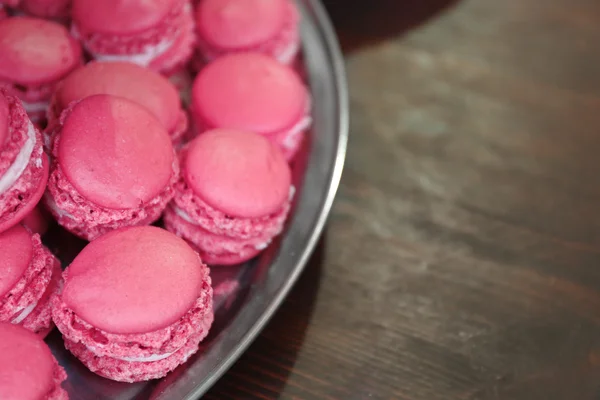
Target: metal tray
[(248, 295)]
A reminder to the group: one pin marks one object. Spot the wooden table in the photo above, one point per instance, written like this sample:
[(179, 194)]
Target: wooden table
[(462, 259)]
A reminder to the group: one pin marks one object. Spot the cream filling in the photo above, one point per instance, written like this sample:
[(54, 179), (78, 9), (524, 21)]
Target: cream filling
[(143, 59), (24, 313), (185, 216), (287, 55), (152, 358), (16, 169), (150, 53), (260, 246), (189, 219), (290, 138), (51, 204), (35, 107), (47, 140)]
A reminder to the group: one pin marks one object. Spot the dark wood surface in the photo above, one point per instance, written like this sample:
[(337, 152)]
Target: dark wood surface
[(462, 259)]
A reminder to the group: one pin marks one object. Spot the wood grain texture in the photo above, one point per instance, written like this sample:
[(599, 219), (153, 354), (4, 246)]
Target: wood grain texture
[(462, 259)]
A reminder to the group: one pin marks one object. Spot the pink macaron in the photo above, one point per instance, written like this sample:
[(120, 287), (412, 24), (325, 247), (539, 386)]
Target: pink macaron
[(23, 164), (113, 165), (141, 85), (269, 27), (36, 55), (251, 92), (233, 196), (30, 277), (135, 304), (28, 370), (158, 34)]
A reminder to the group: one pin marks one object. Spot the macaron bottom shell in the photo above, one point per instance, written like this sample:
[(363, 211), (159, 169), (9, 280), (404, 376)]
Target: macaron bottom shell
[(59, 377), (88, 221), (40, 319), (213, 249), (134, 371), (195, 322)]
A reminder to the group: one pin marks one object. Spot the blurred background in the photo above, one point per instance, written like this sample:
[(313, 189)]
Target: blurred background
[(462, 259)]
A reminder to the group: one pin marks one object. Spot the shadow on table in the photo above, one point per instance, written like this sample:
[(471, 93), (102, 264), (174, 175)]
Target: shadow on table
[(361, 23), (263, 370)]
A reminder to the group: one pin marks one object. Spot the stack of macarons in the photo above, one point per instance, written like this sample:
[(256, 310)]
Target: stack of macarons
[(219, 169), (30, 276), (116, 115), (113, 165), (36, 55), (102, 310)]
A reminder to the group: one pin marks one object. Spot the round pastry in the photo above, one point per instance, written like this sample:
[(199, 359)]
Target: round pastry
[(28, 370), (23, 164), (135, 304), (113, 165), (30, 277), (269, 27), (36, 55), (252, 92), (233, 196), (158, 34), (127, 80)]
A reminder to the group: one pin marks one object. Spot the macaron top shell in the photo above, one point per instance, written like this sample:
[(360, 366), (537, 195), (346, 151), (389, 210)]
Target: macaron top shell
[(134, 280), (17, 252), (241, 174), (128, 80), (115, 152), (26, 364), (4, 120), (120, 16), (234, 24), (35, 51), (249, 91)]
